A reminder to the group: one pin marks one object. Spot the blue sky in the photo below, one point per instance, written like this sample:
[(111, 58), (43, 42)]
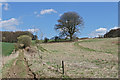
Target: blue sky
[(59, 0), (99, 17)]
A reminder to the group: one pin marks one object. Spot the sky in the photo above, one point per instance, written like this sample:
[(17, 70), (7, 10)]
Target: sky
[(99, 17), (59, 0)]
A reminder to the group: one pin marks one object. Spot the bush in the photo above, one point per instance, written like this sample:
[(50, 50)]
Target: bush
[(24, 41), (16, 46), (46, 40)]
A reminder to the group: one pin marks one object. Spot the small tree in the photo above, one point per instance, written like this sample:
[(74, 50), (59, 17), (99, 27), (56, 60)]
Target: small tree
[(41, 35), (46, 40), (56, 38), (24, 41), (34, 37)]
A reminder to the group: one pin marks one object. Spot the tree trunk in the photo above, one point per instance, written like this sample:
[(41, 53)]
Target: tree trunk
[(71, 37)]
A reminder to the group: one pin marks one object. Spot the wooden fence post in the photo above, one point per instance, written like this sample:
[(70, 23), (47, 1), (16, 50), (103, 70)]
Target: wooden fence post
[(57, 68), (62, 67)]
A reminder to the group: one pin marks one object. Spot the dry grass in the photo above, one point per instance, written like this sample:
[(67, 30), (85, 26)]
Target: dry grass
[(79, 62), (83, 59), (103, 45)]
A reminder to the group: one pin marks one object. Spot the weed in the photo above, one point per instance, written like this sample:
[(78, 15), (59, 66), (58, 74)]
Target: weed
[(48, 63)]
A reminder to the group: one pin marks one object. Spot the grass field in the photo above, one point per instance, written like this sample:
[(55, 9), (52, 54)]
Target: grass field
[(7, 48), (90, 58)]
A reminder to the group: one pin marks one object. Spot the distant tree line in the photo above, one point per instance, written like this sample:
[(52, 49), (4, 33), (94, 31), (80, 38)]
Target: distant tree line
[(11, 37), (112, 33)]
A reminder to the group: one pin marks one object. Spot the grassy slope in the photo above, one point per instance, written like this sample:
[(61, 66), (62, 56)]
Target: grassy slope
[(79, 61), (85, 60), (7, 48), (99, 45)]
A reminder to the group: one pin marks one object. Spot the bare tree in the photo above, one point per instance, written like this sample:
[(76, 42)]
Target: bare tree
[(69, 24), (41, 35)]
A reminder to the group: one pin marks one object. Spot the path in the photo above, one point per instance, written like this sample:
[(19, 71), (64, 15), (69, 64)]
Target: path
[(19, 68)]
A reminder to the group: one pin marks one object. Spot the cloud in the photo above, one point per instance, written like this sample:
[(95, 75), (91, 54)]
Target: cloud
[(33, 30), (97, 32), (0, 4), (9, 24), (115, 27), (101, 30), (60, 14), (5, 6), (3, 0), (0, 19), (47, 11)]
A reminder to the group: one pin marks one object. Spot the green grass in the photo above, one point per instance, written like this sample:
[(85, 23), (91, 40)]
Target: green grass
[(21, 65), (42, 49), (34, 42), (85, 48), (7, 48), (89, 49), (92, 40), (48, 63), (59, 40), (54, 51)]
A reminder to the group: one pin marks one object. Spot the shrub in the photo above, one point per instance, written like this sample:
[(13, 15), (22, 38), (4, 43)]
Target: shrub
[(16, 46), (24, 41), (46, 40)]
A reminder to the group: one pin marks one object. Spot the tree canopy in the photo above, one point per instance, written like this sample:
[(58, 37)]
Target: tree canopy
[(69, 24)]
